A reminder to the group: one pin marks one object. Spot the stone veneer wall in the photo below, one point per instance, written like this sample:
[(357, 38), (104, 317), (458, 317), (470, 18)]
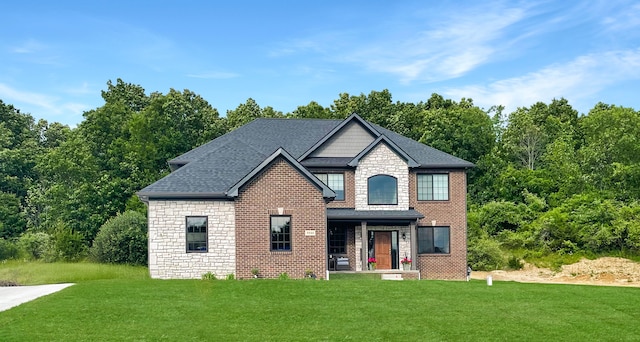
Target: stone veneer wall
[(452, 213), (281, 187), (168, 258), (381, 160)]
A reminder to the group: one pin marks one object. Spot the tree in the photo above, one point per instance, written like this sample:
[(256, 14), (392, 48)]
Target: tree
[(248, 112), (12, 222)]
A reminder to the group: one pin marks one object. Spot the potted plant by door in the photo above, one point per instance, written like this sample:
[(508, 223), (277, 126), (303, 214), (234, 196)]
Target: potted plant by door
[(406, 263), (372, 263)]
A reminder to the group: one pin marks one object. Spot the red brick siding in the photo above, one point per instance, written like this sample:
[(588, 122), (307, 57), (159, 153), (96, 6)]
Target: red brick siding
[(452, 213), (280, 186)]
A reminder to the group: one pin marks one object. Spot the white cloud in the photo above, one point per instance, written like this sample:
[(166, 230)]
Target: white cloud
[(30, 46), (576, 80), (44, 103)]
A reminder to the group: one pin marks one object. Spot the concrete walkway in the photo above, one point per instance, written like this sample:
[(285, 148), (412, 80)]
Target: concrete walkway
[(11, 296)]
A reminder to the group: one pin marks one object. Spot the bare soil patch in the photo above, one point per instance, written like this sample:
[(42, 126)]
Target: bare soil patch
[(603, 271)]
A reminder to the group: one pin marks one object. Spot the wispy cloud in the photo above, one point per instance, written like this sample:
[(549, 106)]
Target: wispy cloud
[(29, 46), (577, 80), (215, 75), (46, 103)]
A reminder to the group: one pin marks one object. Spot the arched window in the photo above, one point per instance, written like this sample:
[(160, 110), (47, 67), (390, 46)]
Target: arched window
[(382, 189)]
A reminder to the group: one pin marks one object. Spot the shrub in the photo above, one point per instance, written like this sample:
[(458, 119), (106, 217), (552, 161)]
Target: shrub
[(8, 249), (68, 244), (36, 246), (209, 276), (283, 276), (484, 254), (515, 263), (122, 240)]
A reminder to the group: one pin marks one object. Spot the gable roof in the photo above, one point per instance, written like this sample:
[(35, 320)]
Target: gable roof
[(213, 169), (326, 191), (384, 140)]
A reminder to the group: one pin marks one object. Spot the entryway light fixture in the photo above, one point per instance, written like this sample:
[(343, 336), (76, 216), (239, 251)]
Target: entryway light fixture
[(404, 236)]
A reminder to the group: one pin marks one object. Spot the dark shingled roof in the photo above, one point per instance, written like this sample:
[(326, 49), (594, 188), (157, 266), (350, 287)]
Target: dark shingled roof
[(210, 170)]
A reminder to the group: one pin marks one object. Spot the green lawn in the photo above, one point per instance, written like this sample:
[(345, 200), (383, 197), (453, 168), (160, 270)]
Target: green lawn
[(338, 310)]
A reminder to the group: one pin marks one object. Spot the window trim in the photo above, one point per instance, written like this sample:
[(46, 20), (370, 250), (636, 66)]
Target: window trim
[(206, 232), (344, 190), (432, 229), (290, 241), (369, 190), (432, 174)]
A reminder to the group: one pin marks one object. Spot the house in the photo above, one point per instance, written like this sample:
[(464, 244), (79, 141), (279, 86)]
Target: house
[(308, 195)]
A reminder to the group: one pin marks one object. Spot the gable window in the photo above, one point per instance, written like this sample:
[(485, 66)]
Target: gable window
[(382, 189), (196, 234), (433, 240), (433, 187), (280, 233), (337, 240), (335, 181)]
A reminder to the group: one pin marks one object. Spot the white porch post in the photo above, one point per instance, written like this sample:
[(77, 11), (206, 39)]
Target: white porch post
[(365, 246), (414, 244)]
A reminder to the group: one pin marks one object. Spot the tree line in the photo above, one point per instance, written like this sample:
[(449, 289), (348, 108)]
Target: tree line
[(547, 181)]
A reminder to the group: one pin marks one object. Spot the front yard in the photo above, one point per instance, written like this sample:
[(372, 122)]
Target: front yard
[(126, 307)]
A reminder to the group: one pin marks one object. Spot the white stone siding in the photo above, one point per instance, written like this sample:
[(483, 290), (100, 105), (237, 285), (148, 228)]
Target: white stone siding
[(168, 258), (381, 160)]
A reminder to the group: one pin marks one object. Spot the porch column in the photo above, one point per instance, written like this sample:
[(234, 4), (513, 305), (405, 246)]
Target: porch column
[(365, 246), (414, 244)]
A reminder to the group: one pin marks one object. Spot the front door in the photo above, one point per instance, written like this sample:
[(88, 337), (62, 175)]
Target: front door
[(383, 250)]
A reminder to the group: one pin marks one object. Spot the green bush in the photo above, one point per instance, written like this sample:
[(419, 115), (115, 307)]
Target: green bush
[(68, 244), (485, 254), (122, 240), (36, 246), (8, 249)]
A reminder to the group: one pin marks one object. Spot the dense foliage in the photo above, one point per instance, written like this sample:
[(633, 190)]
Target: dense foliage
[(122, 240), (547, 179)]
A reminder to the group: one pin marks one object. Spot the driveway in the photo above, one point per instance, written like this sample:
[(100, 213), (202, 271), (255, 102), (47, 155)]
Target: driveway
[(11, 296)]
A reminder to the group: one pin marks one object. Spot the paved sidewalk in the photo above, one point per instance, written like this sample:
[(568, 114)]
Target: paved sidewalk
[(11, 296)]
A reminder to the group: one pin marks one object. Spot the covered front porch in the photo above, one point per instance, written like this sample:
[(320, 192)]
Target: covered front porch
[(355, 238)]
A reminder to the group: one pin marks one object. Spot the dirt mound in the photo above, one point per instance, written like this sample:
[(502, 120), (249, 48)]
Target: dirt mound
[(602, 271)]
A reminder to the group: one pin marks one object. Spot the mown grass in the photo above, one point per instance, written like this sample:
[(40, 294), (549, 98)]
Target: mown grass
[(339, 310)]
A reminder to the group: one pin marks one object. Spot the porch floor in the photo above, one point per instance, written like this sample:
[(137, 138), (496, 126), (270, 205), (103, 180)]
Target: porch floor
[(384, 274)]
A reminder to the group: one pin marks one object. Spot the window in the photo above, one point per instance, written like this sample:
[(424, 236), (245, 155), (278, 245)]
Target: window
[(280, 233), (383, 189), (335, 181), (433, 240), (337, 240), (433, 187), (197, 234)]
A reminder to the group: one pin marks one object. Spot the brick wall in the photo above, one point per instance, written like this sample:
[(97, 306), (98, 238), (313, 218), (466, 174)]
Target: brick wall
[(280, 186), (452, 213), (168, 258)]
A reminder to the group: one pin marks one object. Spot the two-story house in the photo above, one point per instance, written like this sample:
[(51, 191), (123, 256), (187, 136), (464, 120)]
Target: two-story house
[(297, 195)]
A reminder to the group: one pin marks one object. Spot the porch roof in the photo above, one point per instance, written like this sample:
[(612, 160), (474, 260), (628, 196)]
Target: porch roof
[(348, 214)]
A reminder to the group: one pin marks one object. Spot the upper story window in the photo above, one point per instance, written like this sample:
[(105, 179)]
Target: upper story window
[(196, 233), (382, 189), (433, 187), (280, 233), (335, 181)]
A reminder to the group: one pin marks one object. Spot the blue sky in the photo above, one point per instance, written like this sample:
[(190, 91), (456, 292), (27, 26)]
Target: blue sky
[(56, 56)]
